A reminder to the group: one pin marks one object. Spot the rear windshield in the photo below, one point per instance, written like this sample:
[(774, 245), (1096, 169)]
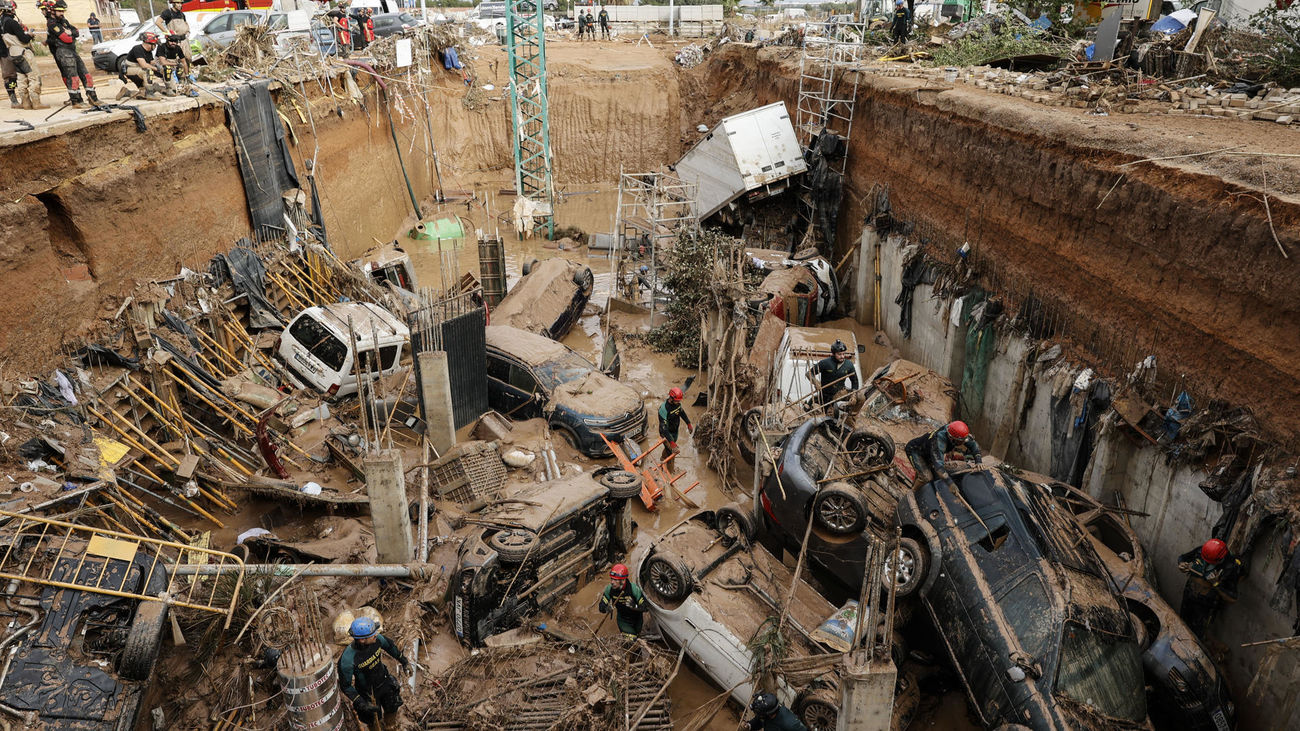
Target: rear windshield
[(568, 367), (319, 341), (1103, 671)]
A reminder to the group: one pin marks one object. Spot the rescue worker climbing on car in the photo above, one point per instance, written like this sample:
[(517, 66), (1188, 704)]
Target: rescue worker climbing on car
[(1212, 575), (671, 416), (832, 374), (18, 45), (626, 601), (61, 37), (365, 680), (928, 452), (770, 715)]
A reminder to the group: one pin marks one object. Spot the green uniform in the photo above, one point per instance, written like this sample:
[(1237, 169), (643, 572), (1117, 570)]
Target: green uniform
[(629, 606)]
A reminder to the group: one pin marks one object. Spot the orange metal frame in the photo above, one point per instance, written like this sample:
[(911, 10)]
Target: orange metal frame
[(653, 478)]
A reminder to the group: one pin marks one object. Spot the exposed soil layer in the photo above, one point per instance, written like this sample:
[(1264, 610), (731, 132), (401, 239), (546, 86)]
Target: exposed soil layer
[(1175, 258)]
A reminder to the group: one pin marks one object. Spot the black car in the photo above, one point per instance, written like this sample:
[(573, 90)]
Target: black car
[(532, 376), (387, 24), (838, 478), (80, 660), (1023, 605)]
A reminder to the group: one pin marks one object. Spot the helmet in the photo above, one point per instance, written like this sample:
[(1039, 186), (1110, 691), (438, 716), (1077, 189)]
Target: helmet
[(675, 393), (149, 38), (764, 704), (60, 5), (838, 346), (8, 6), (1214, 550), (362, 627), (618, 572), (958, 430)]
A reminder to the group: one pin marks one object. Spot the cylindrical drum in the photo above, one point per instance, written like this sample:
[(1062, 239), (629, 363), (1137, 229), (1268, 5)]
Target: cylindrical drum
[(310, 681), (492, 268)]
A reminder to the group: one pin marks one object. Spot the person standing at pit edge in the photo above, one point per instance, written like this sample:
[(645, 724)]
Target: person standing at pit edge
[(604, 23), (18, 45), (671, 416), (365, 680), (61, 37), (92, 25), (902, 23)]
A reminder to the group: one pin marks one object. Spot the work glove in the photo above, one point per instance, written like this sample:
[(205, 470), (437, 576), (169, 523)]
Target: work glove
[(364, 706), (406, 666), (690, 428)]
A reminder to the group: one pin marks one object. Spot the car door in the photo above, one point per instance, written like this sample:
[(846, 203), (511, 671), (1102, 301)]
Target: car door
[(511, 387), (209, 37)]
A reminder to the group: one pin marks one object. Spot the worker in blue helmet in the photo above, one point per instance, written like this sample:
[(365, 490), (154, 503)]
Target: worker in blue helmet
[(366, 681)]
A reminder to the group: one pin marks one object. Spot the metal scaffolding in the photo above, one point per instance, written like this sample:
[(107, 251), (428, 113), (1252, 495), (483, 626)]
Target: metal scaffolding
[(652, 207), (526, 44)]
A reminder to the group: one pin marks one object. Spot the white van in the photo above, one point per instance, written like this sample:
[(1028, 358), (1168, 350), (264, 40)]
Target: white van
[(314, 345)]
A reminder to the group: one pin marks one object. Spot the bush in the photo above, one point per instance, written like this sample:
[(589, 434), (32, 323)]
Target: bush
[(1281, 61), (1012, 38)]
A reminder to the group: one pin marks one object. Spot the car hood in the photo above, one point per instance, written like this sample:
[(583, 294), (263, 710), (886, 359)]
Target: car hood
[(596, 395)]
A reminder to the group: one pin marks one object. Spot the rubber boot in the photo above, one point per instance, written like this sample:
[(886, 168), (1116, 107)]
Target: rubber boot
[(13, 99), (34, 100), (92, 97), (74, 99)]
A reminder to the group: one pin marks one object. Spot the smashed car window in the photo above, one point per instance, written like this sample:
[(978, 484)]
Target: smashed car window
[(521, 379), (319, 341), (1027, 610), (567, 367), (1103, 671)]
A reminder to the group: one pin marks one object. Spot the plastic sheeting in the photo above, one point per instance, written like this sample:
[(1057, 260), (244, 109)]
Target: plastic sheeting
[(246, 272), (1074, 423), (264, 161), (978, 316)]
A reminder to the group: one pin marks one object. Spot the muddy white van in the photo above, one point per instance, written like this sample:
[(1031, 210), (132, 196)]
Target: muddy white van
[(315, 344)]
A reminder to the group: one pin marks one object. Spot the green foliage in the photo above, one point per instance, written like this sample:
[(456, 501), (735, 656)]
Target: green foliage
[(1013, 39), (1281, 60), (688, 275), (767, 647)]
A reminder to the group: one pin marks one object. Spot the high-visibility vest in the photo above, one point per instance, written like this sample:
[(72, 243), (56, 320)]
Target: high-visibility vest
[(345, 36), (368, 30)]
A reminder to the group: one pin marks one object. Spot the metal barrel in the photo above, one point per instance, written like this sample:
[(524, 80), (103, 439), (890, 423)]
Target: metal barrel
[(311, 688), (492, 269)]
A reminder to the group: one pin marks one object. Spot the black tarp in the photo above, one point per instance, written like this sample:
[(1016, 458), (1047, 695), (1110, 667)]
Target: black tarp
[(263, 151), (1074, 423), (244, 268)]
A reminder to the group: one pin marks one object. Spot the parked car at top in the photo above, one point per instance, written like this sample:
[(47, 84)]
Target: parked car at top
[(1186, 690), (711, 594), (531, 376), (537, 547), (223, 28), (548, 299), (1023, 605), (317, 345), (387, 24)]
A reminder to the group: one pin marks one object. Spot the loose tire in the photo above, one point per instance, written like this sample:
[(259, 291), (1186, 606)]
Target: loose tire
[(748, 440), (585, 280), (869, 448), (622, 484), (911, 561), (143, 641), (819, 709), (840, 509), (735, 522), (667, 577), (513, 545), (528, 266)]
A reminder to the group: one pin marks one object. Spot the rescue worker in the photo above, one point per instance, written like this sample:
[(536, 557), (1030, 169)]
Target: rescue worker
[(357, 23), (140, 68), (92, 25), (591, 26), (928, 451), (18, 44), (625, 601), (342, 28), (671, 416), (833, 373), (365, 680), (174, 22), (7, 71), (770, 715), (61, 37), (604, 23), (367, 27), (582, 26), (1212, 575), (902, 23), (176, 66)]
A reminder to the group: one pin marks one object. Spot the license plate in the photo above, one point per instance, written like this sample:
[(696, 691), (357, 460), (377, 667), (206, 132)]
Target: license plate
[(1221, 721)]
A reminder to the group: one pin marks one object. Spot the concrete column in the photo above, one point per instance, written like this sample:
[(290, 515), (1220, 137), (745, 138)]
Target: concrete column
[(435, 400), (386, 485), (866, 695)]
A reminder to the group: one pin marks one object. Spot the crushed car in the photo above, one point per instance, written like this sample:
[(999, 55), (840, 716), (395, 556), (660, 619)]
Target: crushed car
[(1023, 604), (328, 346), (532, 376), (804, 290), (549, 299)]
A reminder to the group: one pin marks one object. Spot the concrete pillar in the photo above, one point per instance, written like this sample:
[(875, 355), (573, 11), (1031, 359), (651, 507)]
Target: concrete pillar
[(435, 400), (866, 695), (386, 485)]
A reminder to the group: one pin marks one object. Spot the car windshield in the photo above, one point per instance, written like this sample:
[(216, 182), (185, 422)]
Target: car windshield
[(1102, 671), (568, 367)]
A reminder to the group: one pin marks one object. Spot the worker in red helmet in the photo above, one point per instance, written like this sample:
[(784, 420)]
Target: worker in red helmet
[(625, 600), (671, 416), (1212, 575), (140, 69), (929, 452)]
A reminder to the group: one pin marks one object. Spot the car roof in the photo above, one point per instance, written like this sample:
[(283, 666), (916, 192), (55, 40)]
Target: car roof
[(531, 348), (537, 504), (368, 321), (818, 340)]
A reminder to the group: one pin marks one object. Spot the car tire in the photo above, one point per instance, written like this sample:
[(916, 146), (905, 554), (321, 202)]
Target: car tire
[(528, 266), (736, 522), (818, 708), (913, 562), (568, 433), (622, 484), (747, 440), (119, 65), (585, 280), (840, 509), (869, 448), (513, 545), (143, 641), (667, 578)]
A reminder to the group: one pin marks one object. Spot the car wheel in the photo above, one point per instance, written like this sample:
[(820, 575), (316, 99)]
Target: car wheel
[(840, 509), (748, 439), (869, 448), (667, 577), (736, 522), (819, 709), (569, 435), (585, 280), (143, 641), (907, 567), (528, 266), (119, 65), (622, 484), (513, 545)]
